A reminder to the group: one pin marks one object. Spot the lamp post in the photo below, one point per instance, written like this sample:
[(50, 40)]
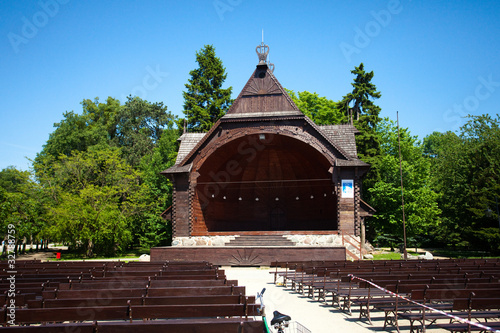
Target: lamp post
[(405, 254)]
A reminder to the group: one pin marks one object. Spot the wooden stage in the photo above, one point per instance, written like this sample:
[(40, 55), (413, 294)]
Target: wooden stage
[(246, 256)]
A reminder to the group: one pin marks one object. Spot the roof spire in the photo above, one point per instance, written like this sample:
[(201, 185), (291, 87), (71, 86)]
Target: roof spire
[(262, 52)]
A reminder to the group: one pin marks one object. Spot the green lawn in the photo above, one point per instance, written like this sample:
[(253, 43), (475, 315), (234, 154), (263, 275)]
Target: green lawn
[(447, 253), (387, 256)]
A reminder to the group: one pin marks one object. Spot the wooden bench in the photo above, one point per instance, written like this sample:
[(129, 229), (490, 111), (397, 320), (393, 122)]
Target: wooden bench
[(115, 301), (194, 291), (460, 327), (387, 302), (119, 283), (204, 325), (442, 298), (463, 300), (139, 292), (132, 312)]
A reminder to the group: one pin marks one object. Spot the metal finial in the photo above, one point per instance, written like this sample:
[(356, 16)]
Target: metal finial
[(262, 52)]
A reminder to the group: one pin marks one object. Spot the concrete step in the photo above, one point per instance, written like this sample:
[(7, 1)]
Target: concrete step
[(268, 240)]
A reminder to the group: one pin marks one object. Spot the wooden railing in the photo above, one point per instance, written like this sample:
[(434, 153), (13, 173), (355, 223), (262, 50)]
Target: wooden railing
[(355, 243)]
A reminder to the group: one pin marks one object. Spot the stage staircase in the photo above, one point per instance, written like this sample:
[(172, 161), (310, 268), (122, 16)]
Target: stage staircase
[(262, 241)]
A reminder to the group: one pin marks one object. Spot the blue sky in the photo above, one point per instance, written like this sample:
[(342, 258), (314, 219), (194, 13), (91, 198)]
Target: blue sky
[(434, 61)]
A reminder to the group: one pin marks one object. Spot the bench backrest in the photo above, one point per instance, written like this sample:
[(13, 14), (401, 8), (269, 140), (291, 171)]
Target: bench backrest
[(473, 303)]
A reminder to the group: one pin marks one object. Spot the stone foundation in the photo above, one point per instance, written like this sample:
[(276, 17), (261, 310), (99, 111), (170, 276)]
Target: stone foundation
[(202, 241), (315, 240), (217, 250), (299, 240)]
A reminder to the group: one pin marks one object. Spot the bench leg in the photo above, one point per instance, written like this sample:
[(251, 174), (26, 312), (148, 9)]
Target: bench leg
[(364, 311), (346, 305), (321, 295), (335, 299), (412, 327), (391, 319), (310, 292)]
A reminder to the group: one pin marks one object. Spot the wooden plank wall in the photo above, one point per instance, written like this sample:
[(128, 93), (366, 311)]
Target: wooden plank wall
[(251, 256)]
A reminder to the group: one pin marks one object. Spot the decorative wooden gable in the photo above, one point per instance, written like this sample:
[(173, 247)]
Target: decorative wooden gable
[(263, 96)]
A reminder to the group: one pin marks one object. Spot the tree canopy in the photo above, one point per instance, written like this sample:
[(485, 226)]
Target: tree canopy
[(465, 170), (421, 202), (99, 175), (321, 110), (96, 192)]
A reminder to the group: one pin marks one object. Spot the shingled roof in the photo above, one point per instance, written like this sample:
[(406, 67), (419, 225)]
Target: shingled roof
[(188, 142), (343, 136)]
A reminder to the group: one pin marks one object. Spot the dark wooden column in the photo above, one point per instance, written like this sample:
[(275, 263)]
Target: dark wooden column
[(345, 206), (180, 227), (357, 198)]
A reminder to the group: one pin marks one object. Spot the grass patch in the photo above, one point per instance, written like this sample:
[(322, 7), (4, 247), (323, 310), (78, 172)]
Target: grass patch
[(461, 254), (387, 256), (441, 252)]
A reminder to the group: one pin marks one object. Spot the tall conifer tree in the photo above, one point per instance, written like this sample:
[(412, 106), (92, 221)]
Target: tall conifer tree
[(205, 101), (359, 103)]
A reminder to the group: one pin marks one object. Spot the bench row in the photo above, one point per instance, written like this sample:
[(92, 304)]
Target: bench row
[(203, 325)]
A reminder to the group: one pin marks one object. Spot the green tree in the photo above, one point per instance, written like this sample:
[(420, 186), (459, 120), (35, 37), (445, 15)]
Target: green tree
[(364, 112), (321, 110), (421, 202), (205, 101), (135, 127), (74, 132), (104, 114), (444, 152), (96, 195), (359, 106), (139, 126), (466, 174), (20, 206), (133, 130), (96, 125), (153, 230)]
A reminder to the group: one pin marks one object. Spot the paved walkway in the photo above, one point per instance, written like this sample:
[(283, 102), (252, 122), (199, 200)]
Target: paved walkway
[(43, 255), (317, 317)]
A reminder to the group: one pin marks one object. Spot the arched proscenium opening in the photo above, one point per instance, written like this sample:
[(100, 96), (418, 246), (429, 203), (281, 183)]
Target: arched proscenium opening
[(265, 182)]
